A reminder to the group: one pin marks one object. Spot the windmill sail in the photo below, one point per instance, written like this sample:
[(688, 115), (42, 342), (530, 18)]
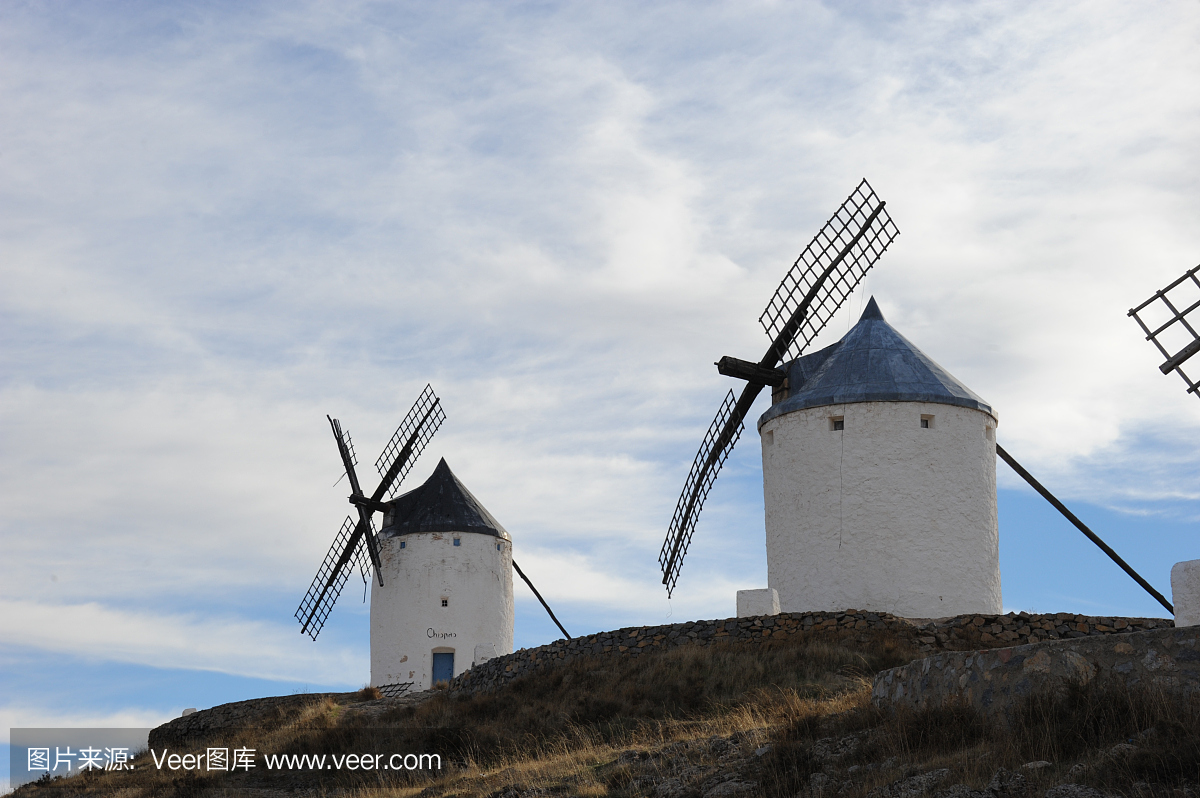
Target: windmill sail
[(356, 544), (410, 438), (1169, 328), (715, 447), (817, 285), (833, 264), (346, 450), (330, 579)]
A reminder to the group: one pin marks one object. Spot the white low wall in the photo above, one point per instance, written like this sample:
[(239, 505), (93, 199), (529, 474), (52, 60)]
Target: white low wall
[(1185, 592), (754, 603)]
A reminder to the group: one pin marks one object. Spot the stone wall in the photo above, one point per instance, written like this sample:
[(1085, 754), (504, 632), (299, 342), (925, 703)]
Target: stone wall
[(994, 680), (967, 632)]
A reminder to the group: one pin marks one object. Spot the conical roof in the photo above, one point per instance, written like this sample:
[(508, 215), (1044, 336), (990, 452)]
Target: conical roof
[(872, 363), (442, 504)]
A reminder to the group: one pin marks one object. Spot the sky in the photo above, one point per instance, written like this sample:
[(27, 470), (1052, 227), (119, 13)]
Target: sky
[(221, 221)]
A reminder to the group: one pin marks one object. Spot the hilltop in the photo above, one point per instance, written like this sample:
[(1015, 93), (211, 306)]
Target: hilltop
[(741, 714)]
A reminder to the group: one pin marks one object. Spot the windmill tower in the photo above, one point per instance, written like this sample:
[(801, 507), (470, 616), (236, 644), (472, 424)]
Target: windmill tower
[(879, 479), (879, 468), (447, 599)]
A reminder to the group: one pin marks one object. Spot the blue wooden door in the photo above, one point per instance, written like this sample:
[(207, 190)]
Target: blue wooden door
[(443, 667)]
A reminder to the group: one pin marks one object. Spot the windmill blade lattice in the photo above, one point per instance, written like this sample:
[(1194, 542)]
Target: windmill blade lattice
[(1169, 327), (328, 583), (813, 290), (349, 446), (411, 437), (852, 241), (713, 452)]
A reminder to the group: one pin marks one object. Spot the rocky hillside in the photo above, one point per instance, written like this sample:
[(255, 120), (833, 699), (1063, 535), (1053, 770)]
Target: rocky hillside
[(743, 713)]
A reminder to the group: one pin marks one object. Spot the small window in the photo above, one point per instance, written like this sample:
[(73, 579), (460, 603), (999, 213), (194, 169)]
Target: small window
[(403, 544), (926, 422), (837, 423), (458, 541), (497, 547), (445, 602)]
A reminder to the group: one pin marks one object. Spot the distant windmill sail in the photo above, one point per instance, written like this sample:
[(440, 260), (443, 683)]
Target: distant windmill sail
[(356, 544), (817, 285), (1165, 319)]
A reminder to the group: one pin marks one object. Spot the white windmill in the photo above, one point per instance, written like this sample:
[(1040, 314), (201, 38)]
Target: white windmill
[(879, 483), (443, 598), (448, 600), (879, 474)]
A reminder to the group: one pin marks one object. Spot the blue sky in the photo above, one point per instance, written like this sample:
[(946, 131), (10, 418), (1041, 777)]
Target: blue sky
[(219, 222)]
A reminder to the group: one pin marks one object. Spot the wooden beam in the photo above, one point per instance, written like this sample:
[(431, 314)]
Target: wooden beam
[(369, 504), (1183, 355), (751, 372)]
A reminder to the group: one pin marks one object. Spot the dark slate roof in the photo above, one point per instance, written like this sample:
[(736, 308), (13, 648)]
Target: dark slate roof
[(872, 363), (442, 504)]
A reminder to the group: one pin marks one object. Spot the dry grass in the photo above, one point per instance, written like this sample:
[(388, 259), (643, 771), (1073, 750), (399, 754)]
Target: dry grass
[(368, 693), (615, 727), (1106, 735), (602, 700)]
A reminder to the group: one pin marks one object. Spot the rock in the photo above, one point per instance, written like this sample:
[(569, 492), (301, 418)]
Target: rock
[(763, 750), (962, 791), (628, 757), (670, 788), (817, 783), (719, 746), (1006, 784), (1038, 765), (1073, 791), (517, 791), (732, 787), (1122, 750), (1077, 771), (910, 787), (830, 749), (995, 681)]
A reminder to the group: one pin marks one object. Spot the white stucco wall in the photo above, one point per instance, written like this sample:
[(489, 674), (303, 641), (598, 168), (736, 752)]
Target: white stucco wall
[(761, 601), (408, 621), (1185, 592), (882, 515)]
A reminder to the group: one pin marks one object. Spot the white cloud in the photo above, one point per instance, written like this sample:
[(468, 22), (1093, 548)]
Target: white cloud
[(218, 227), (192, 642)]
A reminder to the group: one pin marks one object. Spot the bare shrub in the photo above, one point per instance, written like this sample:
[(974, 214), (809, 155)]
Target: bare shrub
[(368, 693)]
